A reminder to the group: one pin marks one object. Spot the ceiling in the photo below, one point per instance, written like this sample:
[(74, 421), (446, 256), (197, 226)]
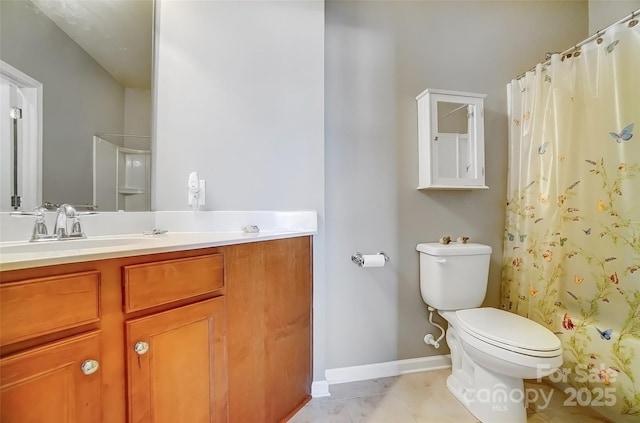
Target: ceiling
[(116, 33)]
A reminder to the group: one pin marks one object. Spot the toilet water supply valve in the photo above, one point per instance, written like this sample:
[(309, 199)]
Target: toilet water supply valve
[(429, 339)]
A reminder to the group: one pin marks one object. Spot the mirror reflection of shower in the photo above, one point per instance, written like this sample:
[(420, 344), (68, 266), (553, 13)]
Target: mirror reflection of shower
[(20, 140), (82, 67), (121, 174), (15, 114)]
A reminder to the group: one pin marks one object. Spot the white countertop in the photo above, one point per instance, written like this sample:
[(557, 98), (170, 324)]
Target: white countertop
[(106, 247), (120, 234)]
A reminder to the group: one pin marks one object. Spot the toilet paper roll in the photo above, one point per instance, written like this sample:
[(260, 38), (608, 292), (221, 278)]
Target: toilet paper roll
[(372, 260)]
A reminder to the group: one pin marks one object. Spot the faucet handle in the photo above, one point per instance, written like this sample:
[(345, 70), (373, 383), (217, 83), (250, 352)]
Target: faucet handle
[(38, 212), (77, 231), (76, 228), (40, 228), (40, 232)]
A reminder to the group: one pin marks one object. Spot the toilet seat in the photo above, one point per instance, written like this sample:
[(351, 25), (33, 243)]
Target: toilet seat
[(509, 331)]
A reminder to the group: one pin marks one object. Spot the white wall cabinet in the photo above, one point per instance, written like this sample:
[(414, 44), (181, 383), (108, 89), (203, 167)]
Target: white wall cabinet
[(450, 140)]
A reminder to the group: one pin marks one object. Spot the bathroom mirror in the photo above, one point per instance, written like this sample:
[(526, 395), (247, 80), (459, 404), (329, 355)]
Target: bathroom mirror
[(450, 140), (453, 118), (76, 69)]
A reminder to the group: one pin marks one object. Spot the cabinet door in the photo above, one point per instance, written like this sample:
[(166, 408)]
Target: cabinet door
[(457, 149), (57, 383), (177, 365)]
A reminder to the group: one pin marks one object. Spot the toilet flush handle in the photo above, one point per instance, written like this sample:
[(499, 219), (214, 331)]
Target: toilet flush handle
[(441, 260)]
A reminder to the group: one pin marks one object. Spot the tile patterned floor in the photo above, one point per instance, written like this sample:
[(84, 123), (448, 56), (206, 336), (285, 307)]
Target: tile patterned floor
[(422, 398)]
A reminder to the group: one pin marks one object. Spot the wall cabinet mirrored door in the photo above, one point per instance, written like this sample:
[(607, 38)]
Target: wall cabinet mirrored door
[(450, 140)]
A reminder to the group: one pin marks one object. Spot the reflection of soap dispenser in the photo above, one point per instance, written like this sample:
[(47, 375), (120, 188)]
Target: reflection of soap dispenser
[(196, 191)]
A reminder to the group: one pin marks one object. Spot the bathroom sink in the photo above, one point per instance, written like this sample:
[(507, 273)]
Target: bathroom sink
[(72, 244)]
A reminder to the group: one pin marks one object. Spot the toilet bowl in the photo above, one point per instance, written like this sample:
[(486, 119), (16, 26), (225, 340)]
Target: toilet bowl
[(492, 350), (506, 342)]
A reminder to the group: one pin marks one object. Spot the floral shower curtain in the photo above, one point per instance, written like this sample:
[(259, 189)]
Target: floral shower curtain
[(572, 236)]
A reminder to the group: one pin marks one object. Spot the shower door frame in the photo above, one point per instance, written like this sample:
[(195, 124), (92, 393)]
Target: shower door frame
[(31, 91)]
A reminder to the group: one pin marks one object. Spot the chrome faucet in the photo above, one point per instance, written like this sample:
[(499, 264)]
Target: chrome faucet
[(65, 213)]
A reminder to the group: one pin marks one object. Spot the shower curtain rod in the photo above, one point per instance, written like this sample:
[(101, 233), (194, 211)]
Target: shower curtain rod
[(629, 17)]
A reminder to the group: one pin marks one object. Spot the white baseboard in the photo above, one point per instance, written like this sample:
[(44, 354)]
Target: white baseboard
[(320, 389), (386, 369)]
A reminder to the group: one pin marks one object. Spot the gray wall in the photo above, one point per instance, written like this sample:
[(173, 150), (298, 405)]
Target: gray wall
[(379, 56), (240, 99), (137, 117), (79, 98), (603, 13)]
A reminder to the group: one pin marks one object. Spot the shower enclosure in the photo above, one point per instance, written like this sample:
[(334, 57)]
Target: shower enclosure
[(121, 175)]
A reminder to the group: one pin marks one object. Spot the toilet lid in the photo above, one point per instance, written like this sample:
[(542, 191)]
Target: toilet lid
[(509, 331)]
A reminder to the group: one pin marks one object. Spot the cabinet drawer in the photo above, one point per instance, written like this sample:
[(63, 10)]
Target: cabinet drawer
[(152, 284), (41, 306)]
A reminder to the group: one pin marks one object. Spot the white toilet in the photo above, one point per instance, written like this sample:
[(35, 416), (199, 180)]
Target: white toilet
[(492, 350)]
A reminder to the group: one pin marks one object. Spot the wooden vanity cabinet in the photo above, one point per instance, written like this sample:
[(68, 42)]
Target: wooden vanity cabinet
[(207, 335)]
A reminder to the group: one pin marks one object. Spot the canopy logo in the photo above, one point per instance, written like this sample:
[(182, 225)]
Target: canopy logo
[(601, 395)]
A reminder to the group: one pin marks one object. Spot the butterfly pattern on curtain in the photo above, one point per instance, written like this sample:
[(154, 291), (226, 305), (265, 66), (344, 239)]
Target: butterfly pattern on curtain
[(572, 234)]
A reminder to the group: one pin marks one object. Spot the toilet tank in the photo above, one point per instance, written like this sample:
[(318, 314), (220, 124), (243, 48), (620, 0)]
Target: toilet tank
[(453, 276)]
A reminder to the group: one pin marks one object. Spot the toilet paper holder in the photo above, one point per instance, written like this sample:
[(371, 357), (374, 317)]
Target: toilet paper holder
[(359, 260)]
